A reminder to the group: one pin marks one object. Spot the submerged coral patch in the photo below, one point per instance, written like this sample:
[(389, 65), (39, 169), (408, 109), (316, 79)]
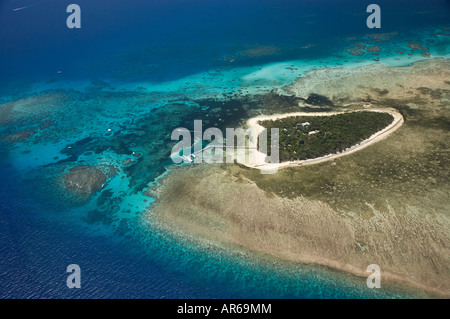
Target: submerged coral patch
[(85, 180)]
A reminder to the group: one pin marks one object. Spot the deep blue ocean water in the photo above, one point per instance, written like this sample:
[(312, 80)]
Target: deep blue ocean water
[(130, 68)]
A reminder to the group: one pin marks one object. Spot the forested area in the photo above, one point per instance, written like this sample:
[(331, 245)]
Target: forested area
[(305, 137)]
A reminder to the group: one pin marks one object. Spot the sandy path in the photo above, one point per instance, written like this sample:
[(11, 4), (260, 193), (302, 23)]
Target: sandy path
[(273, 167)]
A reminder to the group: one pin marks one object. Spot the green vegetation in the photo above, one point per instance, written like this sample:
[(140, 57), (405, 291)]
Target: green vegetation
[(304, 137)]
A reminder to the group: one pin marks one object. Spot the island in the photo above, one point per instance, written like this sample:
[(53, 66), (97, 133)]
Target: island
[(309, 138)]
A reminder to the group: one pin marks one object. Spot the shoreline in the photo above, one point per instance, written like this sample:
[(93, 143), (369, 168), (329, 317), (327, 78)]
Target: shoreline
[(385, 205), (193, 231), (392, 281), (268, 168)]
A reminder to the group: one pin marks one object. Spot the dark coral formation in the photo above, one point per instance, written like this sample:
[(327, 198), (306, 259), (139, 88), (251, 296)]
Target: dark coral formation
[(319, 100), (373, 48), (260, 51), (85, 180), (19, 136), (379, 37), (415, 45), (357, 49)]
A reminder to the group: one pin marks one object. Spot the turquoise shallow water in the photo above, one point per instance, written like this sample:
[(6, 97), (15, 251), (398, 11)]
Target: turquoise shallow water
[(115, 109)]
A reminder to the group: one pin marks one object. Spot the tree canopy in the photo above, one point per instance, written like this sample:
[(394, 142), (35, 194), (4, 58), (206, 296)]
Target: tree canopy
[(305, 137)]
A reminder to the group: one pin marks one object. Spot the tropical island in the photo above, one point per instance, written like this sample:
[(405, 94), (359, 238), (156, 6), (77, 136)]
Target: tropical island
[(314, 137), (383, 201), (306, 137)]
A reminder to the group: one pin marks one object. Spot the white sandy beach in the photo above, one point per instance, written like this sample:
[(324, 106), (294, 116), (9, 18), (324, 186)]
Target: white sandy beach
[(273, 167)]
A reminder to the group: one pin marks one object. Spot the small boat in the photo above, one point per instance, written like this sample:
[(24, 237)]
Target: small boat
[(187, 158)]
